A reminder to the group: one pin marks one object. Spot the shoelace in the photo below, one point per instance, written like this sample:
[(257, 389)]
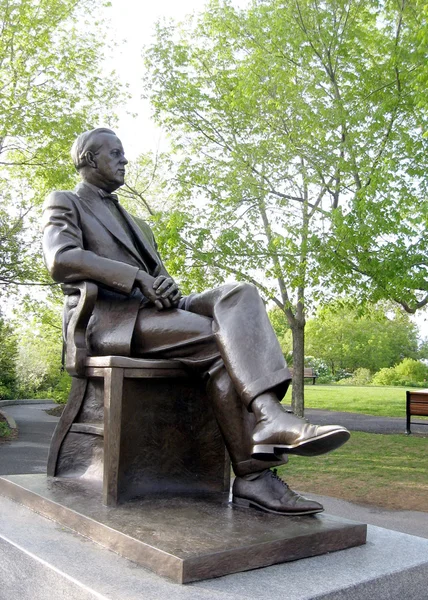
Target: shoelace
[(287, 487), (276, 476)]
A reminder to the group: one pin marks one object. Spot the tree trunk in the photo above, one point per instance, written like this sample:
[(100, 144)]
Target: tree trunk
[(298, 400)]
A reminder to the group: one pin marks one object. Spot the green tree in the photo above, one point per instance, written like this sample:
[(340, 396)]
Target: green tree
[(38, 363), (423, 349), (8, 356), (348, 339), (51, 89), (287, 119), (278, 321)]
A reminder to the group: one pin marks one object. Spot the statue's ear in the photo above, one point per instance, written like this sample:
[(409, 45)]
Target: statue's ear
[(90, 159)]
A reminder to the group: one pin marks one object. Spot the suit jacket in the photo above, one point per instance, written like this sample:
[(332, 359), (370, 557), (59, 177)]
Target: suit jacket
[(82, 240)]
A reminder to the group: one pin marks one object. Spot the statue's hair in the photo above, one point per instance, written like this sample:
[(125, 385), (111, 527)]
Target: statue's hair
[(86, 142)]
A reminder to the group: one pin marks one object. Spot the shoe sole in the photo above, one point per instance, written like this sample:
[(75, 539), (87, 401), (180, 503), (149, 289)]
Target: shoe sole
[(312, 447), (245, 503)]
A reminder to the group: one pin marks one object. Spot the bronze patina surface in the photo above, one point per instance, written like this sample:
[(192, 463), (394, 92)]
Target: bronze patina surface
[(184, 539), (120, 301)]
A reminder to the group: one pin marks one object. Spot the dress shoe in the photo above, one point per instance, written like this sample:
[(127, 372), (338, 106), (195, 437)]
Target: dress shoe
[(270, 493), (279, 432)]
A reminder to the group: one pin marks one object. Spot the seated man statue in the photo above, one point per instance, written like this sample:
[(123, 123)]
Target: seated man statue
[(222, 335)]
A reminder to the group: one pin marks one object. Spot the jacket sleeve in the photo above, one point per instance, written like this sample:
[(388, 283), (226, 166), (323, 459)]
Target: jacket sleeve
[(64, 253)]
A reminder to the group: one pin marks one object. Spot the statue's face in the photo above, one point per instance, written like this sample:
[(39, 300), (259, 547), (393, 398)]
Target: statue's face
[(110, 162)]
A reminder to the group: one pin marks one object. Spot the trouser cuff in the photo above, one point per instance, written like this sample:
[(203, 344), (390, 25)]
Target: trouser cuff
[(253, 465)]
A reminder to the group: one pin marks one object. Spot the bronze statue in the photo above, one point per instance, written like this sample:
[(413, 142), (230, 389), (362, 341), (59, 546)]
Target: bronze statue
[(222, 335)]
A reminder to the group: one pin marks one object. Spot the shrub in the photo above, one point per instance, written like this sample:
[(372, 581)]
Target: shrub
[(387, 376), (412, 370), (341, 375), (410, 373), (359, 377), (6, 393), (59, 392), (321, 368), (325, 379)]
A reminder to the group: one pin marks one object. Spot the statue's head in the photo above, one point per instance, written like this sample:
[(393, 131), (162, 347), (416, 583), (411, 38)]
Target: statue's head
[(99, 157)]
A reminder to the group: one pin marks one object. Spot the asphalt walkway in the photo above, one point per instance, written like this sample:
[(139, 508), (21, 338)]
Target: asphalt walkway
[(28, 454), (368, 423)]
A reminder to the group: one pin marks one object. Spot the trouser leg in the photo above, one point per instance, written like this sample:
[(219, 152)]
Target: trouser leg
[(236, 423), (246, 341), (188, 338)]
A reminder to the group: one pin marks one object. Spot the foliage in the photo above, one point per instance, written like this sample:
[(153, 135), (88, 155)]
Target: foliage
[(58, 388), (39, 358), (386, 376), (8, 355), (5, 430), (347, 337), (278, 321), (412, 370), (288, 135), (322, 370), (423, 349), (52, 88), (286, 343), (359, 377), (408, 372)]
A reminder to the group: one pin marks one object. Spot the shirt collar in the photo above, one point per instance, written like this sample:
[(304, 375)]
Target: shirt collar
[(102, 193)]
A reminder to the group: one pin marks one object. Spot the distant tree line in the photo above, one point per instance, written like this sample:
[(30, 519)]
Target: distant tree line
[(359, 345)]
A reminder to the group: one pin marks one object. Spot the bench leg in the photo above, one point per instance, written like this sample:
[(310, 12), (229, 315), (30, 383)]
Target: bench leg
[(408, 432), (113, 386)]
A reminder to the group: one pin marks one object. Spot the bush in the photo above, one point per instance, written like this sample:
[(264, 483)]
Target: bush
[(6, 393), (387, 376), (409, 373), (325, 379), (58, 392), (412, 370), (359, 377), (321, 368), (342, 374)]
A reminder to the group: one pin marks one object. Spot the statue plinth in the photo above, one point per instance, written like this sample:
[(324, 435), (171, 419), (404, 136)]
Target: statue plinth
[(184, 539)]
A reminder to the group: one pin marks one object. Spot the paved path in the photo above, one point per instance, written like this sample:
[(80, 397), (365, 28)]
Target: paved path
[(28, 454), (368, 423)]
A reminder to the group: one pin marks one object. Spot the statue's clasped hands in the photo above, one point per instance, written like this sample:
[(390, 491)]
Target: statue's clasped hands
[(161, 290)]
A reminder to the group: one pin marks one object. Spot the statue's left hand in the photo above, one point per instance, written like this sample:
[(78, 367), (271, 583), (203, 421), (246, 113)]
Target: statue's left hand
[(166, 288)]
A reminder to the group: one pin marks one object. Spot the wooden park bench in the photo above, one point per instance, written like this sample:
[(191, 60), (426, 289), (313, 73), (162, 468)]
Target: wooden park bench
[(416, 405), (308, 373)]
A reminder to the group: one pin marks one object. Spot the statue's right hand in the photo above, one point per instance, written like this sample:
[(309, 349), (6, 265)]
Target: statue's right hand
[(144, 281)]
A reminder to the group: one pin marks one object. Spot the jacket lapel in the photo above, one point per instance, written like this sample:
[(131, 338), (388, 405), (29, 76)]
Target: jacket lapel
[(140, 236), (96, 206)]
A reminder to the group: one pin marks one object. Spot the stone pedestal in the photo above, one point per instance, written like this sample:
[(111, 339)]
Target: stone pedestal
[(184, 539)]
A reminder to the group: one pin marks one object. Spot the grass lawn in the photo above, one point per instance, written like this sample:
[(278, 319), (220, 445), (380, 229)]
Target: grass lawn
[(383, 470), (379, 401)]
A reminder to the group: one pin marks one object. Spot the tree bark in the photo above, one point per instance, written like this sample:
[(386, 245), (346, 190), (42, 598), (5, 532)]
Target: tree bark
[(297, 401)]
